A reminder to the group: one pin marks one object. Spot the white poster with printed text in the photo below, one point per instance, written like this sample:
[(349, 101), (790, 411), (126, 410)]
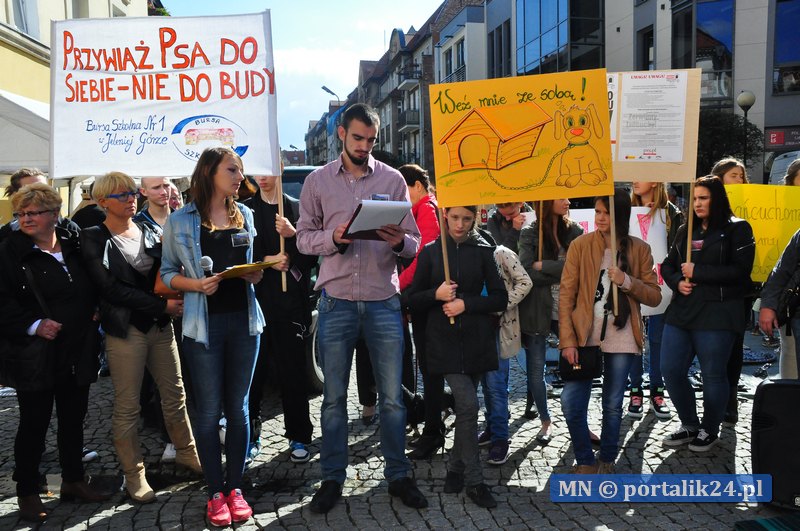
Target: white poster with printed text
[(146, 96), (651, 229), (652, 108)]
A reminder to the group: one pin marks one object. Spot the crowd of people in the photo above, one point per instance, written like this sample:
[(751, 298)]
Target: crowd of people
[(149, 280)]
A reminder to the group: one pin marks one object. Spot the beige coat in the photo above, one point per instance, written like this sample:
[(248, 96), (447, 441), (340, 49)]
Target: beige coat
[(518, 284), (579, 281)]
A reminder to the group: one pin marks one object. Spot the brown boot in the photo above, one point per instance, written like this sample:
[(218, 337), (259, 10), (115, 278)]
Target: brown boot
[(585, 469), (138, 488), (180, 433), (187, 458), (130, 460), (31, 508), (80, 491)]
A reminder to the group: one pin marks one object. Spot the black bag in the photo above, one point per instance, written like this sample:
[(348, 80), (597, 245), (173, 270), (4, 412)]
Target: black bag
[(789, 298), (29, 366), (589, 367)]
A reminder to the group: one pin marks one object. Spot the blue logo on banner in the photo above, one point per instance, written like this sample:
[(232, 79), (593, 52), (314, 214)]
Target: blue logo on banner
[(661, 488), (194, 134)]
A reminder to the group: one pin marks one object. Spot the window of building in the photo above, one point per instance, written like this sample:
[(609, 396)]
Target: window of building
[(682, 38), (552, 28), (702, 37), (645, 50), (459, 54), (448, 62), (714, 47), (786, 69)]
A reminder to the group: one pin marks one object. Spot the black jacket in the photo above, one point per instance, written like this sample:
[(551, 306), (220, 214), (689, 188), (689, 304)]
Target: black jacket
[(470, 345), (70, 297), (722, 271), (126, 296), (294, 305), (781, 274)]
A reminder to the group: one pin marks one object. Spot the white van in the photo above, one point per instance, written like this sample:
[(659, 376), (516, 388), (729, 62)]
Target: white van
[(779, 165)]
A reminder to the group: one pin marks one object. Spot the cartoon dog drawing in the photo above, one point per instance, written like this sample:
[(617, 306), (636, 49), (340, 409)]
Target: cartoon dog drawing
[(579, 161)]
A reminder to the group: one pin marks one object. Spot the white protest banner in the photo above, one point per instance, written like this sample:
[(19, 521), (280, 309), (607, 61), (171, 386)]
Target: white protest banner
[(147, 95), (652, 230)]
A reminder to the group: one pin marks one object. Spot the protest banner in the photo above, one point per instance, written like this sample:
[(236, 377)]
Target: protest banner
[(651, 229), (774, 213), (654, 124), (521, 138), (147, 95)]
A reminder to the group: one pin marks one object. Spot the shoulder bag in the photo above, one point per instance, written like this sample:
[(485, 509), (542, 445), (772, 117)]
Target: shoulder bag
[(29, 366)]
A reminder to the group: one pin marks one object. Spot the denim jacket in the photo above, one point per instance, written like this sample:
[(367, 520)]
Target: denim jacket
[(181, 249)]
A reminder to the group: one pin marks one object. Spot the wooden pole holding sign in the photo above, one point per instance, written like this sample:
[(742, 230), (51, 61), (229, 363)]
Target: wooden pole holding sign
[(614, 287), (279, 195), (541, 230), (689, 225), (443, 233)]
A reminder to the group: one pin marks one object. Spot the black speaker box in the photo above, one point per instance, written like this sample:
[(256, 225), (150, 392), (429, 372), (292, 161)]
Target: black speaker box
[(776, 439)]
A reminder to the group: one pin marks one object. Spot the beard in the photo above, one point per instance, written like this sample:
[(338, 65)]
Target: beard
[(358, 161)]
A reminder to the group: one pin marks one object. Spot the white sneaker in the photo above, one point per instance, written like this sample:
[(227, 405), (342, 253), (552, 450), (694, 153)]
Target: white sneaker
[(88, 455), (169, 454)]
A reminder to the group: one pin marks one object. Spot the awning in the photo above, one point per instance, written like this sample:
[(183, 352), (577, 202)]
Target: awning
[(25, 130)]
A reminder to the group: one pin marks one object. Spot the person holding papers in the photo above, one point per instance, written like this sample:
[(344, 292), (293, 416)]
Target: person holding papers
[(222, 321), (359, 285)]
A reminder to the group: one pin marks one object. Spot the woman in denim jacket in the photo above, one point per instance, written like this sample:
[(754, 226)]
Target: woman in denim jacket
[(222, 321)]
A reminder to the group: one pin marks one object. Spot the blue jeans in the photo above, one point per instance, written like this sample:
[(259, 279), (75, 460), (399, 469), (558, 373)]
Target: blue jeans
[(535, 353), (341, 322), (495, 395), (655, 328), (221, 376), (713, 348), (575, 405)]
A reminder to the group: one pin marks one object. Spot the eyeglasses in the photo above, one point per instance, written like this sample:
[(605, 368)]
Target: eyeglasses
[(123, 197), (31, 214)]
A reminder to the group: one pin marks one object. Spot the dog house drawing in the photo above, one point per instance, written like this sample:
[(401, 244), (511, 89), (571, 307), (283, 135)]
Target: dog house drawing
[(494, 137)]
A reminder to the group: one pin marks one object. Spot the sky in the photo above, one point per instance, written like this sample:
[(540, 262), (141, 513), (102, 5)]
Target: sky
[(315, 43)]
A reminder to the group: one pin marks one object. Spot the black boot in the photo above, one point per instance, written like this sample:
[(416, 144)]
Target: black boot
[(530, 413), (427, 445), (732, 411)]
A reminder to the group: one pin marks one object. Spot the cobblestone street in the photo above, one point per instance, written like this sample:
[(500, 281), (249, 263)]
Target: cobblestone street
[(279, 490)]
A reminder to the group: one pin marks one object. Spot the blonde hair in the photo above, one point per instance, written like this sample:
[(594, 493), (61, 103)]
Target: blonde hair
[(660, 200), (108, 183), (36, 194)]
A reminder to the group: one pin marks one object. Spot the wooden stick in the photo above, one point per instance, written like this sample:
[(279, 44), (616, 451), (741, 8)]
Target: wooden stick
[(541, 230), (689, 225), (614, 288), (279, 183), (443, 232)]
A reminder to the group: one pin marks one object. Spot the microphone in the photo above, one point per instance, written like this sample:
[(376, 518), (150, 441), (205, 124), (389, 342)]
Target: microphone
[(207, 264)]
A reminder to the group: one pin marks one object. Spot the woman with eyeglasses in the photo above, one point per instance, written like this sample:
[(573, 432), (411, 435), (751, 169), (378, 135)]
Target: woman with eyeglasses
[(123, 258), (42, 258)]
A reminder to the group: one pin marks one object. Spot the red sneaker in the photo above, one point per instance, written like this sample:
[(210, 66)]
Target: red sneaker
[(217, 511), (239, 509)]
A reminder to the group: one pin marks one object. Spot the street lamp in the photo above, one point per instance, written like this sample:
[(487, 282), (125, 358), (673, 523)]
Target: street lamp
[(294, 147), (332, 93), (745, 100)]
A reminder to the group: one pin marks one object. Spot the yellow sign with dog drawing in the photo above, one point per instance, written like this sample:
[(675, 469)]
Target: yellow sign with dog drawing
[(522, 138)]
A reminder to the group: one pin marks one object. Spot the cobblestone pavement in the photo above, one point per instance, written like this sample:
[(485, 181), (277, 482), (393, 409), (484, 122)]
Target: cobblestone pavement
[(280, 491)]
